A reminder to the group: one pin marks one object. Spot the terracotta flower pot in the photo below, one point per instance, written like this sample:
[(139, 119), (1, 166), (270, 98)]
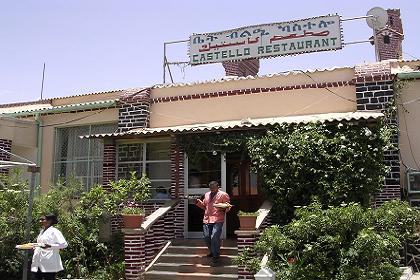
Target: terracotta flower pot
[(132, 221), (247, 222)]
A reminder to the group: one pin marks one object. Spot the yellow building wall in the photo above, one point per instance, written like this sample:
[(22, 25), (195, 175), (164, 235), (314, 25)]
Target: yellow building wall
[(262, 105), (50, 122), (409, 118), (21, 132)]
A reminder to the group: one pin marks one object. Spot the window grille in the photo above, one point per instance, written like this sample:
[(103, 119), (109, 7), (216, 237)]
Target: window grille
[(152, 157), (80, 158)]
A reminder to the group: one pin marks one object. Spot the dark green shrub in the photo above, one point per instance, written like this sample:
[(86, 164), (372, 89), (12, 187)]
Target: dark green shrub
[(335, 163), (343, 243)]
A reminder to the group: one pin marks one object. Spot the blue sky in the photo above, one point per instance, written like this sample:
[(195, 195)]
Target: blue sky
[(102, 45)]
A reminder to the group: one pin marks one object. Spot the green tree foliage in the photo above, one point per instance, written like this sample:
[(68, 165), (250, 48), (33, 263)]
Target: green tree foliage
[(13, 210), (345, 242), (80, 216), (335, 163)]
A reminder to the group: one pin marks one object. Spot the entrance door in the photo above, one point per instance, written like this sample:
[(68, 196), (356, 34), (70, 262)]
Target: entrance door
[(242, 187), (199, 171)]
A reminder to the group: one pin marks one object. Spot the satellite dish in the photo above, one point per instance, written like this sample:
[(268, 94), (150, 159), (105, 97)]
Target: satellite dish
[(379, 19)]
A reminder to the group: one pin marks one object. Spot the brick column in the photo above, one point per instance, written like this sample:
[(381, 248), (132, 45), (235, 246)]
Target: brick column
[(177, 186), (375, 92), (243, 68), (134, 253), (246, 239), (5, 145), (109, 163), (134, 110), (389, 39)]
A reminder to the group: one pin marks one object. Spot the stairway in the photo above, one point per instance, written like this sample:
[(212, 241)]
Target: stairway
[(186, 259)]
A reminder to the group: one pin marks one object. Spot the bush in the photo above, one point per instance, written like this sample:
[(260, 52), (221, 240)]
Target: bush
[(13, 210), (335, 163), (80, 215), (342, 243)]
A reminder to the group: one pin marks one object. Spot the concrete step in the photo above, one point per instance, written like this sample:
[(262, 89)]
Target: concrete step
[(193, 259), (168, 275), (195, 268), (200, 250), (200, 242), (187, 260)]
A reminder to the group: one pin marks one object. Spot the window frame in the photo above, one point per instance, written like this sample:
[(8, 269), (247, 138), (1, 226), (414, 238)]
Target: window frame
[(90, 179), (143, 161)]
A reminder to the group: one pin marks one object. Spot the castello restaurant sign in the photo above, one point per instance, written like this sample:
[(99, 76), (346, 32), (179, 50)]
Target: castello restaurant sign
[(267, 40)]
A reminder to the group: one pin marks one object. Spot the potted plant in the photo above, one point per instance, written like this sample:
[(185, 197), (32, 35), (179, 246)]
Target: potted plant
[(247, 220), (131, 193), (132, 214)]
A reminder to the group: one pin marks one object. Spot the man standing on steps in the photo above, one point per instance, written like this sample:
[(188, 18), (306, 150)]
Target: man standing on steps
[(214, 218)]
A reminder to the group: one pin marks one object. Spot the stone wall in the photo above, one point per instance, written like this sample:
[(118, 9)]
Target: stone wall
[(5, 145), (134, 110), (177, 186), (375, 92)]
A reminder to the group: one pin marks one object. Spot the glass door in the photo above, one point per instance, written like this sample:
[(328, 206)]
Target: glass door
[(199, 171)]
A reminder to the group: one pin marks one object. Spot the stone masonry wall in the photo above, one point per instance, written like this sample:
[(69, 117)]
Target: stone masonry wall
[(109, 163), (5, 145), (374, 91), (177, 186), (389, 40), (134, 110)]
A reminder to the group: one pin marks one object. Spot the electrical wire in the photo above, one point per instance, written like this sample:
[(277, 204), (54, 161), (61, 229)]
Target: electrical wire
[(326, 88), (73, 120), (409, 140), (19, 157), (411, 55)]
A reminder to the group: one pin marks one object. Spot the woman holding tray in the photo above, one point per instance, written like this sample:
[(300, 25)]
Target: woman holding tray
[(46, 261)]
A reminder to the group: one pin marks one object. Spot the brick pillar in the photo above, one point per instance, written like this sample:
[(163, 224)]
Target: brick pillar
[(177, 186), (246, 239), (168, 226), (242, 68), (389, 39), (134, 253), (375, 91), (5, 145), (134, 110), (109, 163)]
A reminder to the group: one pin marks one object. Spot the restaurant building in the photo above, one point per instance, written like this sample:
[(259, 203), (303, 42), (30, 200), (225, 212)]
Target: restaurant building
[(99, 137)]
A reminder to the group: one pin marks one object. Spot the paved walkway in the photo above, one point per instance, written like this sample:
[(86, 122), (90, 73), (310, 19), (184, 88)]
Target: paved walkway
[(416, 276)]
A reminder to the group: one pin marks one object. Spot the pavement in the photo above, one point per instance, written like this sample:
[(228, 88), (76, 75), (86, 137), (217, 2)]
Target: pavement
[(416, 276)]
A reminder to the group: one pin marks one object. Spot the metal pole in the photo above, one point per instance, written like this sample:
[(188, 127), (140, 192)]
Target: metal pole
[(375, 40), (353, 18), (164, 62), (178, 41), (42, 84), (169, 70), (358, 42), (33, 170)]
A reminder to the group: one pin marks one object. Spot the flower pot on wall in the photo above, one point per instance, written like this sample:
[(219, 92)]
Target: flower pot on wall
[(247, 222), (132, 221)]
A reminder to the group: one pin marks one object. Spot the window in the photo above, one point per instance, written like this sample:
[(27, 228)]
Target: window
[(152, 157), (80, 158)]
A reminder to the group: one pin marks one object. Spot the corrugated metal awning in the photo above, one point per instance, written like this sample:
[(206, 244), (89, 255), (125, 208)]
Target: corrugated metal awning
[(243, 124), (64, 108)]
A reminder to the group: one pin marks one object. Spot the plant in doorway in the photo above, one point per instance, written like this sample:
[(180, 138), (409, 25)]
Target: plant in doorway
[(247, 220)]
